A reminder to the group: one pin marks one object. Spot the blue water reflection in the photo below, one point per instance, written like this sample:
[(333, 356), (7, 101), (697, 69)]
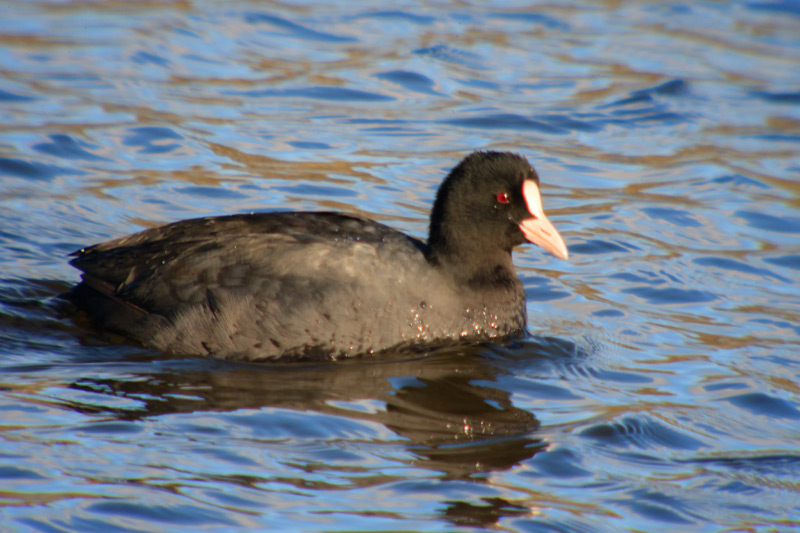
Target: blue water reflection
[(659, 388)]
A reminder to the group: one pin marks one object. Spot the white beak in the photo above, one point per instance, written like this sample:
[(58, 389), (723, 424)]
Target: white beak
[(538, 229)]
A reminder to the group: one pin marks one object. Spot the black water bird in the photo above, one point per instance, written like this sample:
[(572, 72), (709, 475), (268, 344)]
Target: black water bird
[(281, 286)]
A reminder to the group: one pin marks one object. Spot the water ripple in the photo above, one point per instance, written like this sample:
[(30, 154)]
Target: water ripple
[(295, 30), (659, 390)]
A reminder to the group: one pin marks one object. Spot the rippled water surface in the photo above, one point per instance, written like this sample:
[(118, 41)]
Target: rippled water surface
[(659, 389)]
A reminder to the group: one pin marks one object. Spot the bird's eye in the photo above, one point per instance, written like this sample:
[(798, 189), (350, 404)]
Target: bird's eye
[(502, 197)]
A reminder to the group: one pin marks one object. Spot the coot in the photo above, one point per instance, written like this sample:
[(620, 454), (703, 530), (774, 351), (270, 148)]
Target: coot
[(281, 286)]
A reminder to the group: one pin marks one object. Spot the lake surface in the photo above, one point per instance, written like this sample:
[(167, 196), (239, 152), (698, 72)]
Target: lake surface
[(659, 389)]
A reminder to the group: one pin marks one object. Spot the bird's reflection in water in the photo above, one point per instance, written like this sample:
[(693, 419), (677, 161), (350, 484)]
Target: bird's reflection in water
[(443, 404), (459, 427), (474, 515)]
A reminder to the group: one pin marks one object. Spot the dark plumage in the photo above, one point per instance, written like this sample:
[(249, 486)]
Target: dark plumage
[(271, 286)]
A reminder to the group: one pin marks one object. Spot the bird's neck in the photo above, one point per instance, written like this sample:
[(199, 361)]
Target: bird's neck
[(472, 266)]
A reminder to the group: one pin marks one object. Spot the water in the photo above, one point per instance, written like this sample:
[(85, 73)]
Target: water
[(660, 388)]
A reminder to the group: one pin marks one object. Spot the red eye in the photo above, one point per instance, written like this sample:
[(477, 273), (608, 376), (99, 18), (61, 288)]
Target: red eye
[(502, 197)]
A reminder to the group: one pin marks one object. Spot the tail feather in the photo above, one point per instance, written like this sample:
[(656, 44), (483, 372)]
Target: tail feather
[(106, 309)]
